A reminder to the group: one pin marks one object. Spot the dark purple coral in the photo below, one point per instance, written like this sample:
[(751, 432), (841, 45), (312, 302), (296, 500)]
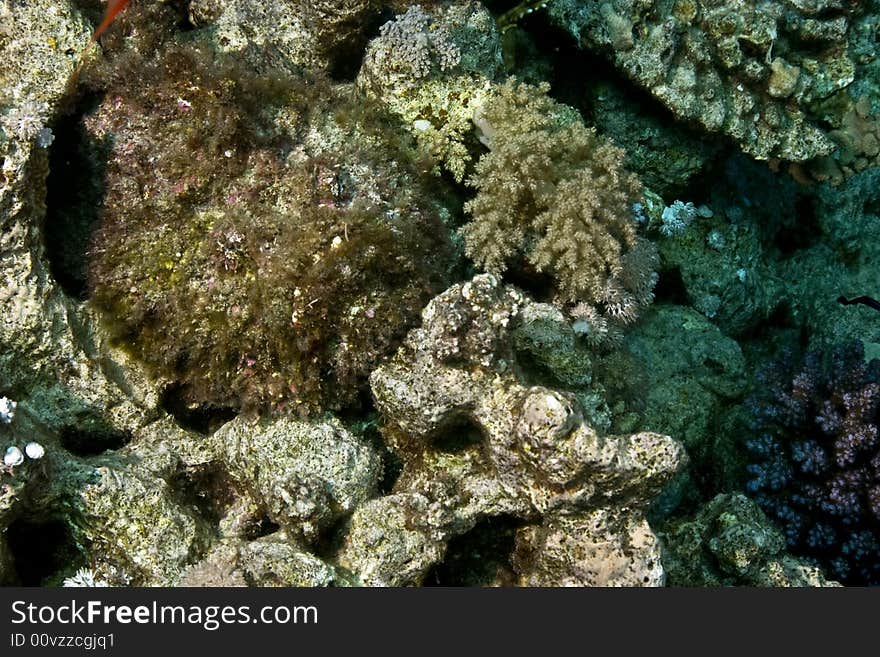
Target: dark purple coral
[(815, 458)]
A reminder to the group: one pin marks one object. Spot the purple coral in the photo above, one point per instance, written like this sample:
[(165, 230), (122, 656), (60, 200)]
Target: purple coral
[(815, 459)]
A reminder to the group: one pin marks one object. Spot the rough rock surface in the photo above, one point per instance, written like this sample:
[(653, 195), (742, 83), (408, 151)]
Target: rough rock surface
[(54, 359), (269, 561), (476, 443), (730, 542), (307, 475)]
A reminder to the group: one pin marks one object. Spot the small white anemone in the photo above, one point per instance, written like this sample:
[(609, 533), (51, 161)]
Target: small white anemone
[(13, 457), (34, 450)]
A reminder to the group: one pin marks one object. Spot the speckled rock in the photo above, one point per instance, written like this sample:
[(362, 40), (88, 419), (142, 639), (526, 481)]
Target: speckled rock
[(306, 474), (576, 550), (54, 359), (119, 512), (309, 34), (269, 561), (394, 540), (477, 443), (730, 542)]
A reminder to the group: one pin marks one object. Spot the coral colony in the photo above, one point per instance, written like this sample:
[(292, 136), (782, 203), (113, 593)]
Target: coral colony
[(310, 293), (816, 459)]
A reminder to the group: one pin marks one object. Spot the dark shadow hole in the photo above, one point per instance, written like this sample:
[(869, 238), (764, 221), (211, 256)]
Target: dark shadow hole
[(332, 538), (93, 437), (205, 488), (262, 527), (480, 557), (203, 418), (459, 436), (538, 285), (40, 549), (75, 190), (670, 288), (806, 233), (347, 58), (872, 205)]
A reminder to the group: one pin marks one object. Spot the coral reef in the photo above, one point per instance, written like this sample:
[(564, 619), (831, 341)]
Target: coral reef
[(432, 70), (684, 358), (815, 458), (725, 271), (476, 443), (226, 355)]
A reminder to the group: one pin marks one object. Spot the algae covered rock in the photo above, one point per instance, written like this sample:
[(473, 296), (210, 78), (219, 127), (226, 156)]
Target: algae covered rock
[(731, 542), (394, 540), (264, 242), (690, 371), (726, 271), (840, 261), (476, 444)]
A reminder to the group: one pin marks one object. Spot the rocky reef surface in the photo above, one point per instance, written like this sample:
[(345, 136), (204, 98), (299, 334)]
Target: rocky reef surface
[(316, 293)]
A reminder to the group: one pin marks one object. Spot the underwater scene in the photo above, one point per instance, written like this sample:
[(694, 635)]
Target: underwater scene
[(440, 293)]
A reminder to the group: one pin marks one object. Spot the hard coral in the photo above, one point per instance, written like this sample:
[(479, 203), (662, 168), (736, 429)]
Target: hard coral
[(553, 191), (751, 70), (264, 243), (432, 70), (816, 459)]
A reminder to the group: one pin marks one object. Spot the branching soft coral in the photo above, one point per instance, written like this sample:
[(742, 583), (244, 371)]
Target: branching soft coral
[(554, 192)]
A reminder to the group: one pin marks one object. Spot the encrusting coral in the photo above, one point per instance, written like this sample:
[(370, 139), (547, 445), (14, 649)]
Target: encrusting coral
[(750, 70), (433, 69), (554, 193)]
